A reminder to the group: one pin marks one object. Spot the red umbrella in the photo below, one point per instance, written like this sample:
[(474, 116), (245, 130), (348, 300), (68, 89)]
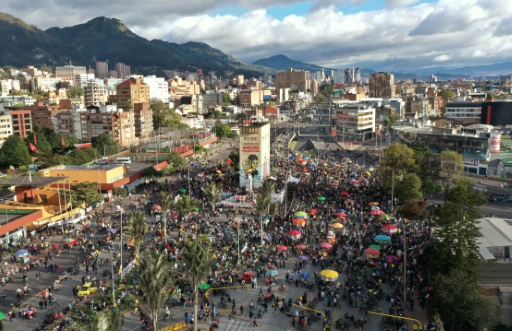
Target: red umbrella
[(312, 211), (300, 246), (377, 212), (157, 207), (229, 161), (248, 273), (300, 222), (294, 233), (325, 245), (341, 214), (282, 248), (389, 228), (345, 193), (372, 252)]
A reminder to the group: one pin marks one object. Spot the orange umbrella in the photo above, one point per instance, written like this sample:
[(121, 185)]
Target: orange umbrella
[(299, 221)]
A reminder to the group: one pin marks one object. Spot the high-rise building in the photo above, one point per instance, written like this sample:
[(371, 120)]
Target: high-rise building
[(381, 85), (349, 76), (130, 92), (43, 116), (143, 120), (21, 122), (95, 94), (68, 73), (5, 127), (254, 154), (294, 79), (82, 79), (101, 69), (357, 75), (123, 70), (158, 88), (240, 80)]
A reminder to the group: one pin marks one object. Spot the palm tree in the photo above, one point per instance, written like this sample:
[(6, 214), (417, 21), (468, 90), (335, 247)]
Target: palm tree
[(107, 320), (186, 205), (212, 193), (137, 230), (154, 280), (165, 200), (198, 260), (263, 202)]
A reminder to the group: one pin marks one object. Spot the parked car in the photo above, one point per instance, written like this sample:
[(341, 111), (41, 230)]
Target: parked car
[(87, 289)]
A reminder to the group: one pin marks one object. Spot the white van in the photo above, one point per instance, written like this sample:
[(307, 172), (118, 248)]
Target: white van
[(123, 160)]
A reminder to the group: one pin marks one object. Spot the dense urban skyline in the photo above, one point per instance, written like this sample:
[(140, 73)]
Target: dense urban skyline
[(331, 33)]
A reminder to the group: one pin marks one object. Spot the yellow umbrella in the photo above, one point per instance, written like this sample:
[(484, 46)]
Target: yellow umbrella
[(329, 275), (336, 226)]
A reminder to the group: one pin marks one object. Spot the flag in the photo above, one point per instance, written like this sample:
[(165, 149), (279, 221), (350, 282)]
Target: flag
[(33, 148), (63, 142), (35, 139)]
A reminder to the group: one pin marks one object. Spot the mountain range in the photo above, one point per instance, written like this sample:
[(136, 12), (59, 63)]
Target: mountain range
[(109, 39)]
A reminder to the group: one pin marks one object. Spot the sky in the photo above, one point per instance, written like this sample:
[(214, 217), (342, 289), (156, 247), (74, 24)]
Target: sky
[(330, 33)]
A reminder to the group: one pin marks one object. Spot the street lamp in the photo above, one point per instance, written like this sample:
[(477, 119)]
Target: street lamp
[(120, 209)]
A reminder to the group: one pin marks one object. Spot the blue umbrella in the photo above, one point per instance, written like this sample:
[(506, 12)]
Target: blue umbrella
[(341, 211), (306, 157), (310, 164), (22, 253), (382, 238), (292, 158), (271, 273), (304, 275), (265, 217)]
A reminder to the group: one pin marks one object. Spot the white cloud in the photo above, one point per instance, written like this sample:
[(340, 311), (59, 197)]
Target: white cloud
[(421, 34), (442, 58)]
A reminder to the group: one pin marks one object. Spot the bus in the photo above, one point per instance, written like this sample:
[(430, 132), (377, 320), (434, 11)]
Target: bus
[(123, 160)]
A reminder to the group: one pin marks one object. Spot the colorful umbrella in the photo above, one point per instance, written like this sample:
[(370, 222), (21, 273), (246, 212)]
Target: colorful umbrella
[(325, 245), (182, 190), (336, 226), (304, 275), (22, 253), (384, 217), (248, 273), (391, 259), (282, 248), (329, 275), (374, 208), (312, 211), (345, 193), (300, 246), (341, 214), (321, 198), (204, 286), (377, 247), (229, 161), (2, 316), (300, 214), (302, 257), (382, 238), (271, 273), (352, 180), (371, 253), (157, 207), (389, 228), (377, 212), (294, 234), (299, 221), (341, 210)]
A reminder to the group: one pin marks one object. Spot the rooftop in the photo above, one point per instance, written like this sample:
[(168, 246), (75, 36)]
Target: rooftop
[(495, 232), (87, 167), (24, 180)]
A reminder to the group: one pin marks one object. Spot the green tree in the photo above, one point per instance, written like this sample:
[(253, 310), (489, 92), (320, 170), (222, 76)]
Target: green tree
[(14, 152), (451, 169), (152, 173), (455, 244), (222, 130), (211, 190), (154, 280), (186, 205), (106, 320), (428, 170), (166, 200), (81, 156), (75, 92), (447, 95), (119, 192), (388, 121), (226, 99), (235, 157), (197, 255), (176, 160), (457, 300), (263, 202), (137, 230), (409, 188), (397, 159), (103, 143), (42, 145), (85, 193)]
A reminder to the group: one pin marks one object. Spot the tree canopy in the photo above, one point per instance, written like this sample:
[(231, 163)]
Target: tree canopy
[(85, 193), (14, 152)]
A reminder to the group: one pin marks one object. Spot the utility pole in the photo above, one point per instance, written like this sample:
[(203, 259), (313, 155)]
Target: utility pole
[(392, 189)]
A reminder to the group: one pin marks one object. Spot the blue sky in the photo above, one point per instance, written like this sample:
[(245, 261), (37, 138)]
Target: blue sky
[(398, 34)]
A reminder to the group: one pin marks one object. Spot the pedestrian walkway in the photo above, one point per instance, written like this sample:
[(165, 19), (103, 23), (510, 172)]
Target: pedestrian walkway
[(238, 325)]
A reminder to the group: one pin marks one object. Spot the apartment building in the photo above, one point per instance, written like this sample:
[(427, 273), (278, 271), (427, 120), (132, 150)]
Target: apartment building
[(5, 127), (21, 122), (356, 121), (68, 73), (69, 123), (158, 88), (464, 110), (95, 93), (381, 85), (123, 70), (294, 79), (101, 69), (43, 115), (130, 92), (45, 83), (179, 87), (81, 80), (143, 115)]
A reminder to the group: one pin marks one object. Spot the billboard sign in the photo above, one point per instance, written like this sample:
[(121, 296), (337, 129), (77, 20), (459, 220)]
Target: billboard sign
[(494, 147)]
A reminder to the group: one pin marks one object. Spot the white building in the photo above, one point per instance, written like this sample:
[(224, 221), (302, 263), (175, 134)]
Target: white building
[(5, 127), (46, 84), (463, 110), (81, 80), (95, 94), (356, 121), (158, 88)]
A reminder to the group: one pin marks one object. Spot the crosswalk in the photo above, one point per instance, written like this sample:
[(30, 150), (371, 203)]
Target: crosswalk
[(238, 325)]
